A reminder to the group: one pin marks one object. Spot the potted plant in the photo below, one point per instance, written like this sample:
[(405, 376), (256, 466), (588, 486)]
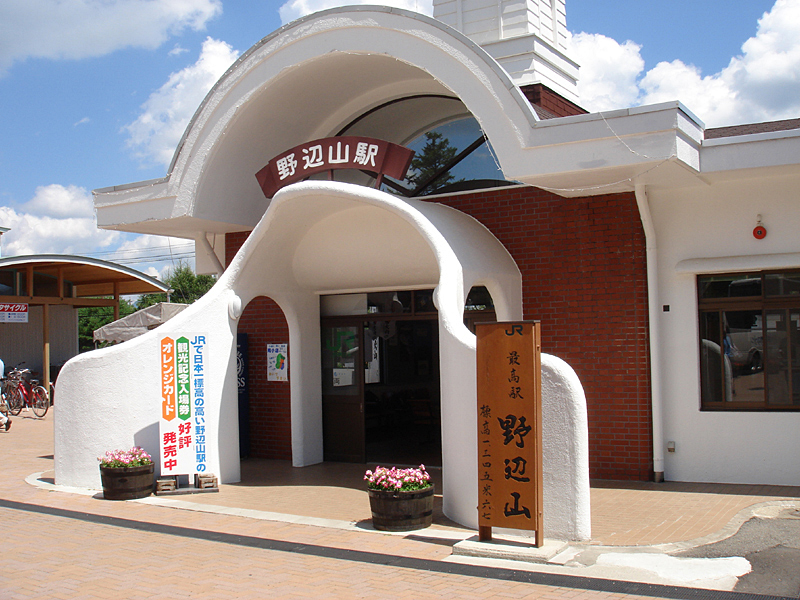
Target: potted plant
[(400, 499), (126, 474)]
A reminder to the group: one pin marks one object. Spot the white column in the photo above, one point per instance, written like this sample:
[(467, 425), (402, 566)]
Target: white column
[(305, 381)]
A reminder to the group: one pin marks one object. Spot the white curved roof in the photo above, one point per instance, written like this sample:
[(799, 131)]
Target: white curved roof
[(89, 276), (309, 80), (317, 76)]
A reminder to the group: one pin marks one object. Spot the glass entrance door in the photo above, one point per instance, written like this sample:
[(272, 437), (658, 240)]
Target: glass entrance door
[(380, 378), (343, 393), (401, 393)]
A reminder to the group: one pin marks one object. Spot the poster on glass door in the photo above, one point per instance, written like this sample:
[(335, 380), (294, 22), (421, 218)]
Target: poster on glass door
[(372, 357)]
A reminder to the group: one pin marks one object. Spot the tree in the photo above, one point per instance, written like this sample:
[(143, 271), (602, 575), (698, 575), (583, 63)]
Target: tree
[(186, 287), (436, 153), (92, 318)]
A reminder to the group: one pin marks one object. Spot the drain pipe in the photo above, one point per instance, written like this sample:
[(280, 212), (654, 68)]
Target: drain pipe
[(210, 251), (652, 302)]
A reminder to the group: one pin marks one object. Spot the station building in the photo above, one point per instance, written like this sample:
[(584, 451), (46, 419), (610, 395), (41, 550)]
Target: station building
[(660, 256)]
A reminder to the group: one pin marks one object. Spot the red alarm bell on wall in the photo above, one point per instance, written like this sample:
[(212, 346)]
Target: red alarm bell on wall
[(760, 232)]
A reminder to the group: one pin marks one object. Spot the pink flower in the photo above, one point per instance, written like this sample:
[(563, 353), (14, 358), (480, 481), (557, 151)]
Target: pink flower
[(393, 479)]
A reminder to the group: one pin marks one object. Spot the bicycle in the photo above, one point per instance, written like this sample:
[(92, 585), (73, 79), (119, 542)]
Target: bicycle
[(5, 388), (3, 403), (19, 392)]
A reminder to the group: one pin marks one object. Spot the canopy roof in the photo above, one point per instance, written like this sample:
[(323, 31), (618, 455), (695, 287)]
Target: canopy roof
[(137, 323), (52, 279), (87, 276)]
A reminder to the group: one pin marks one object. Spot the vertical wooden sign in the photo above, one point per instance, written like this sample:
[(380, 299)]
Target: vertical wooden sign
[(509, 427)]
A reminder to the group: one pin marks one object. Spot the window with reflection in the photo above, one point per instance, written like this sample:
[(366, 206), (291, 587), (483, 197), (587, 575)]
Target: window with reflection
[(450, 158), (749, 328), (452, 154)]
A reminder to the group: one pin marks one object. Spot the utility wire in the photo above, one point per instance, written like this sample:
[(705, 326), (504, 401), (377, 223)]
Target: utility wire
[(144, 252)]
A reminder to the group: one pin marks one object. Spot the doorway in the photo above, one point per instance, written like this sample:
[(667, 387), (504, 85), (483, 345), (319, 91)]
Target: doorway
[(380, 381)]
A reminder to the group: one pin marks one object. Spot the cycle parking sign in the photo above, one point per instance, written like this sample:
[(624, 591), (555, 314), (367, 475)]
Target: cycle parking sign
[(182, 423), (11, 312)]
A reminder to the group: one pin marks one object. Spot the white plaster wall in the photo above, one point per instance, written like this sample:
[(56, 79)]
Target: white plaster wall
[(714, 223), (565, 449), (565, 455), (111, 398)]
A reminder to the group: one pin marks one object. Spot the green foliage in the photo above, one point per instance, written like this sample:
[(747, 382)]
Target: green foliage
[(434, 156), (93, 317), (187, 287)]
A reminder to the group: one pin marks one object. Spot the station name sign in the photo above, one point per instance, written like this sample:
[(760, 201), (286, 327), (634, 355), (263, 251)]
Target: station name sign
[(510, 478), (346, 152)]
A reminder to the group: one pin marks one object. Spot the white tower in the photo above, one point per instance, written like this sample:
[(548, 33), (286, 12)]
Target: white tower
[(527, 37)]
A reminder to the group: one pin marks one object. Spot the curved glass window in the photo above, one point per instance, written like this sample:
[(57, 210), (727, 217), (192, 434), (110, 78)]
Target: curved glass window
[(452, 153), (449, 158)]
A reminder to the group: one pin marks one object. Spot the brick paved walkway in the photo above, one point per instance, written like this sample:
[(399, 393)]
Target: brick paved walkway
[(63, 545)]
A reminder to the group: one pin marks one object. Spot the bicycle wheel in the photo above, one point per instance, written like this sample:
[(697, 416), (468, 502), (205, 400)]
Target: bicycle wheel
[(15, 401), (40, 401)]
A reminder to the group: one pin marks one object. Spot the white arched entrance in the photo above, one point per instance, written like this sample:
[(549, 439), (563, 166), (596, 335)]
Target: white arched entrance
[(324, 238), (311, 241), (293, 256)]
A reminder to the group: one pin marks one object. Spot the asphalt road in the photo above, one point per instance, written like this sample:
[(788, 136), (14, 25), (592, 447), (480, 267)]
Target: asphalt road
[(772, 545)]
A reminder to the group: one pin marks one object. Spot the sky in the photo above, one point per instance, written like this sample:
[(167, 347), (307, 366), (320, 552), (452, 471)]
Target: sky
[(95, 93)]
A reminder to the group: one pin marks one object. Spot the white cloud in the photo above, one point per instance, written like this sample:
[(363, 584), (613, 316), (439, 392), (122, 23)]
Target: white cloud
[(60, 220), (155, 134), (711, 98), (763, 83), (44, 227), (60, 202), (72, 29), (155, 255), (177, 50), (609, 71), (294, 9)]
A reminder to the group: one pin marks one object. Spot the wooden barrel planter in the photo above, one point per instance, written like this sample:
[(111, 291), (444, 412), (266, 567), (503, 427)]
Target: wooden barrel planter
[(127, 483), (401, 511)]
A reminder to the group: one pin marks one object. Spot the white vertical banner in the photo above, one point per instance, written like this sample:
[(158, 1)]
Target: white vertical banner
[(182, 423), (198, 362)]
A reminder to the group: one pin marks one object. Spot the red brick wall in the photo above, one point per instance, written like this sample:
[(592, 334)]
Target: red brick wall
[(584, 277), (269, 414), (543, 96)]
